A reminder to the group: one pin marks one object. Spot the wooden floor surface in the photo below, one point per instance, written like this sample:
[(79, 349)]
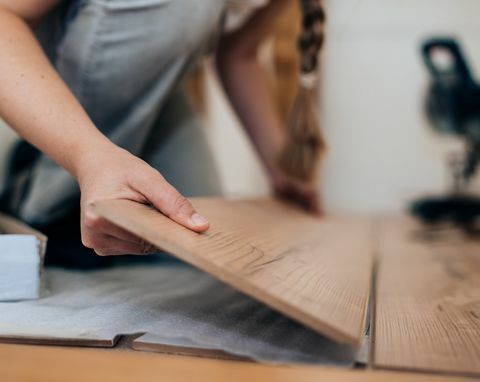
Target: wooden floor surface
[(52, 364), (317, 271), (427, 300)]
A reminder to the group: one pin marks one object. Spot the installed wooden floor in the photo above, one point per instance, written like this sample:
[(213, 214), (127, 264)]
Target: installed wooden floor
[(42, 364), (427, 300), (317, 271)]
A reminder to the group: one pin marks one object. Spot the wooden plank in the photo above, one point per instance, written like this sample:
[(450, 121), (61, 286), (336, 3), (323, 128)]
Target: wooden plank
[(58, 341), (150, 343), (427, 300), (36, 363), (316, 271)]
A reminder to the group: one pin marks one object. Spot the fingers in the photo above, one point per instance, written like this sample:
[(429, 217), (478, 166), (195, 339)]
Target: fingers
[(109, 240), (99, 225), (130, 178), (105, 245), (302, 195), (170, 202), (313, 204), (310, 200)]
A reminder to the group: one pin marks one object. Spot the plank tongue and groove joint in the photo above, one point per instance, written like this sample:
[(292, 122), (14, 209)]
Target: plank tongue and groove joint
[(317, 271)]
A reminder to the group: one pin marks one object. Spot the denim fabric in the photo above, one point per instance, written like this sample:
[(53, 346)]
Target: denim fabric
[(124, 60)]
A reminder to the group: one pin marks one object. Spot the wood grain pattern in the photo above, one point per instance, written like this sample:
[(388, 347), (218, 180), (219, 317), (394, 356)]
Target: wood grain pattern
[(316, 271), (427, 300), (36, 363)]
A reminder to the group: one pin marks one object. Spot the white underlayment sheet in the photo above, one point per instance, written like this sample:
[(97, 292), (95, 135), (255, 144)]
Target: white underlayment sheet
[(171, 302)]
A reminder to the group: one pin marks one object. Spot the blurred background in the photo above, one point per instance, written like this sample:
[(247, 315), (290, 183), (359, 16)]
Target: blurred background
[(382, 151)]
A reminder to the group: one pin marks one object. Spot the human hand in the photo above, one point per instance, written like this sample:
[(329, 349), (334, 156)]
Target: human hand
[(296, 191), (117, 174)]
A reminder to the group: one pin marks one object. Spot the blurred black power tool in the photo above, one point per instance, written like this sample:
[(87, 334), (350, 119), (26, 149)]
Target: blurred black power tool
[(453, 107)]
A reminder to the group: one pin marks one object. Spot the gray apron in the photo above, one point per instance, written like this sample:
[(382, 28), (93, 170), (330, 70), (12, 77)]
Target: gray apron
[(124, 61)]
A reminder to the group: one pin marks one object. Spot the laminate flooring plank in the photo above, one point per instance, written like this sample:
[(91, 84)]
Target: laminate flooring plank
[(314, 270), (93, 342), (427, 300), (52, 364), (152, 343)]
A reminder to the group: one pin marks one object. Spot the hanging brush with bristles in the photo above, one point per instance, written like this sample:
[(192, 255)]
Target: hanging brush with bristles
[(304, 144)]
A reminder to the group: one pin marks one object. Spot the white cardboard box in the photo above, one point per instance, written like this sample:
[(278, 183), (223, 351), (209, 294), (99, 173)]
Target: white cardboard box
[(22, 252)]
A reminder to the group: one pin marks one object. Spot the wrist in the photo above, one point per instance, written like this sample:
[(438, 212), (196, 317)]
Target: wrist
[(92, 155), (270, 152)]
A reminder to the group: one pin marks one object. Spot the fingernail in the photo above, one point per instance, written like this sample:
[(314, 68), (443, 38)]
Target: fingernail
[(198, 220)]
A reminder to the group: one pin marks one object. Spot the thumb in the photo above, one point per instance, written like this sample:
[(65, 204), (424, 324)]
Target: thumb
[(172, 204)]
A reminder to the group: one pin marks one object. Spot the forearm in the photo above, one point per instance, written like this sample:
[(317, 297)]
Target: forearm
[(39, 106), (35, 101), (245, 83)]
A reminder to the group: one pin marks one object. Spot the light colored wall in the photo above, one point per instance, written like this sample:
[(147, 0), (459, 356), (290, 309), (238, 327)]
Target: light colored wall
[(381, 151), (237, 162)]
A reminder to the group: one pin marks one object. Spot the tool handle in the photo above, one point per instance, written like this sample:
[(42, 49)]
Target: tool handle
[(459, 67)]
